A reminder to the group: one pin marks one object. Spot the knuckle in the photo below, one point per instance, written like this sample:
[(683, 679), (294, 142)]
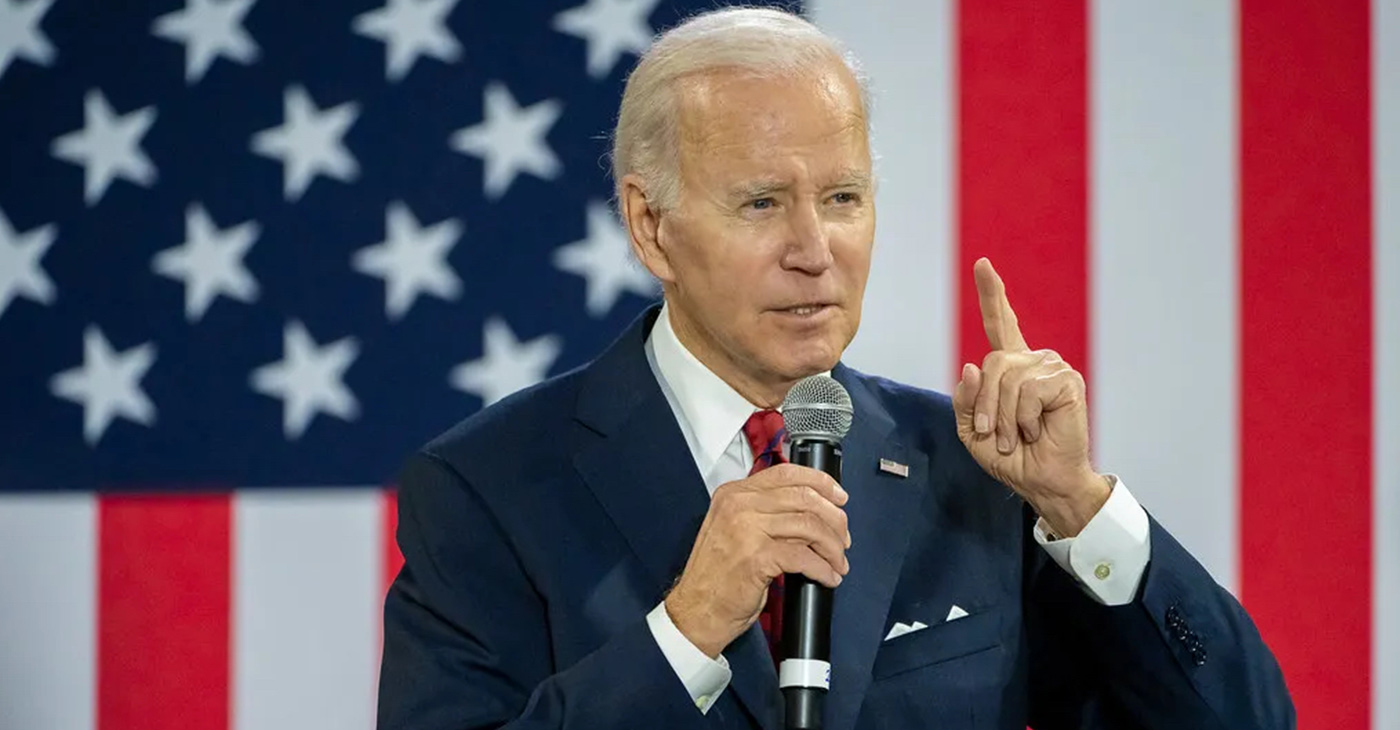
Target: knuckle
[(739, 521)]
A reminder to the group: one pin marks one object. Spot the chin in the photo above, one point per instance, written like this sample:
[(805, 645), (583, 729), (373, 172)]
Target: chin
[(810, 360)]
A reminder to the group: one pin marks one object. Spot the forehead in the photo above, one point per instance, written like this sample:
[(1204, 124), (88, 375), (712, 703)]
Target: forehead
[(736, 123)]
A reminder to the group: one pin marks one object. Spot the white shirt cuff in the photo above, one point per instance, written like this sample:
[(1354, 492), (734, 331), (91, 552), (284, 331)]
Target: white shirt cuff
[(704, 678), (1109, 556)]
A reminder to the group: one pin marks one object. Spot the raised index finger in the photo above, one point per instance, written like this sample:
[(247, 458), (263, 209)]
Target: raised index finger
[(998, 319)]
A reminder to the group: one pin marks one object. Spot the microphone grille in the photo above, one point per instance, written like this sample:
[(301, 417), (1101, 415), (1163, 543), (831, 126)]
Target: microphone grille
[(817, 407)]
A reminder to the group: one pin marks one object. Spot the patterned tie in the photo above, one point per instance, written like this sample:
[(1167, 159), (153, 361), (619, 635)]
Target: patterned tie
[(765, 433)]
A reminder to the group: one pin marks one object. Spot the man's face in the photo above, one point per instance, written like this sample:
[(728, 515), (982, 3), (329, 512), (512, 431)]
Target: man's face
[(768, 249)]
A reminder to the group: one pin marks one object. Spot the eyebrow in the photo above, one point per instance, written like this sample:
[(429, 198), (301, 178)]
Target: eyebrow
[(754, 189), (853, 179)]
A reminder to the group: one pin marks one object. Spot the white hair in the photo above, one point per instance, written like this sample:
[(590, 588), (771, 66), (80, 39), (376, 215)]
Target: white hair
[(762, 41)]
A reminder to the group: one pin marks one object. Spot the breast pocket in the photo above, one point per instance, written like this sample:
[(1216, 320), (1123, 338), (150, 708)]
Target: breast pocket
[(943, 642)]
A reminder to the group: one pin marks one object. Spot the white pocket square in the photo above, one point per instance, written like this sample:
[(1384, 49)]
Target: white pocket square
[(956, 612), (899, 629)]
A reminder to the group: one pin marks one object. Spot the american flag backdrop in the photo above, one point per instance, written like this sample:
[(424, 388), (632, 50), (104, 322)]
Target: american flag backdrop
[(253, 253)]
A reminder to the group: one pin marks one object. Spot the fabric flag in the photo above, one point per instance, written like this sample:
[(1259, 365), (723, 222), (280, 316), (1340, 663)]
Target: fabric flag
[(252, 254)]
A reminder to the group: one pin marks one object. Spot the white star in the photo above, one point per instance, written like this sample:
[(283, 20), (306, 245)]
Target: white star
[(21, 273), (309, 142), (611, 28), (209, 29), (511, 139), (604, 259), (210, 262), (107, 385), (411, 28), (108, 146), (309, 379), (20, 36), (506, 364), (411, 260)]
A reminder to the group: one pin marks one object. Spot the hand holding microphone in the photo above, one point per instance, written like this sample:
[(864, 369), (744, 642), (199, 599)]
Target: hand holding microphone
[(785, 519)]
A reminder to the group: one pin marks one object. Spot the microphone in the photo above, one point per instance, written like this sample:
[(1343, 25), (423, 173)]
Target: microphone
[(817, 414)]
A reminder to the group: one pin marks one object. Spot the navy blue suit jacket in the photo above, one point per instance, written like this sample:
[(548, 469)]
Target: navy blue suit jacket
[(538, 533)]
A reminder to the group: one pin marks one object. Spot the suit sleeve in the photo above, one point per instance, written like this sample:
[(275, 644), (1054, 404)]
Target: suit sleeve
[(1183, 653), (467, 641)]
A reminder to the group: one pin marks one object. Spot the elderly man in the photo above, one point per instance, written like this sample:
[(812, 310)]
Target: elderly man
[(598, 551)]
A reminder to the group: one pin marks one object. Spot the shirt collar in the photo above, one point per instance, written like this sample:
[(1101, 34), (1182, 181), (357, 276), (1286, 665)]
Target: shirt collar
[(714, 411)]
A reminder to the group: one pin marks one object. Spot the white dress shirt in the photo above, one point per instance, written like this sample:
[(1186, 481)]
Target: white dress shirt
[(1107, 558)]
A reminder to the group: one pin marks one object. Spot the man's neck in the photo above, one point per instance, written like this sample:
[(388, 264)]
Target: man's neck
[(756, 391)]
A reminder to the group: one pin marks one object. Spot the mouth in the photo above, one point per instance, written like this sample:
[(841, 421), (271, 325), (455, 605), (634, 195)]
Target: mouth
[(807, 310)]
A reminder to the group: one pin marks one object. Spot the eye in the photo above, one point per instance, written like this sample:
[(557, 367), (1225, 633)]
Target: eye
[(844, 198), (762, 204)]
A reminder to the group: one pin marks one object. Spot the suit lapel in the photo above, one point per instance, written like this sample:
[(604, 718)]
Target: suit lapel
[(880, 514), (642, 473), (640, 470)]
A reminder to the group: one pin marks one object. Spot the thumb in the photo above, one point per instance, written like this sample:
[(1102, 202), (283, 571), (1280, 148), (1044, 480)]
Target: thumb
[(965, 395)]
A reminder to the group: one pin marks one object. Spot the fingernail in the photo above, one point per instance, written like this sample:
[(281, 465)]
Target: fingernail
[(845, 565), (1004, 444), (848, 539), (838, 579), (967, 371), (984, 424), (842, 493)]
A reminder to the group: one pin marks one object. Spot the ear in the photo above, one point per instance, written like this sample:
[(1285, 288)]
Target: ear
[(644, 227)]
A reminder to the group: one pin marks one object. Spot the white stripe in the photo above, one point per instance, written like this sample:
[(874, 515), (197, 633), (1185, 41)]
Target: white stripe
[(1164, 242), (907, 49), (48, 612), (307, 602), (1385, 606)]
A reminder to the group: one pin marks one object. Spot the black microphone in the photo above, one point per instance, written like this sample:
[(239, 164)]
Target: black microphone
[(817, 414)]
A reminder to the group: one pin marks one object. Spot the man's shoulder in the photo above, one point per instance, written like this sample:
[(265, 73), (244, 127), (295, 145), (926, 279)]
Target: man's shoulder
[(534, 418)]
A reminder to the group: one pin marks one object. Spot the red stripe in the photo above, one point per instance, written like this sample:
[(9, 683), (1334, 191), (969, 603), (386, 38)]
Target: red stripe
[(1306, 337), (393, 559), (163, 613), (1023, 168)]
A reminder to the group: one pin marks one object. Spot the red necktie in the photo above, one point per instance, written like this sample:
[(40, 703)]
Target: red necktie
[(765, 433)]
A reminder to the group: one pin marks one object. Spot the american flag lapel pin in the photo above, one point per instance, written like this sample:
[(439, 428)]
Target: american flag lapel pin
[(895, 468)]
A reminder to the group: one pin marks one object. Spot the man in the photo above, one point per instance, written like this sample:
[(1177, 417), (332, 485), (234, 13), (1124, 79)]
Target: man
[(598, 551)]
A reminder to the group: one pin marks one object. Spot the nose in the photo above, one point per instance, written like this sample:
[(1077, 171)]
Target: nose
[(809, 247)]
